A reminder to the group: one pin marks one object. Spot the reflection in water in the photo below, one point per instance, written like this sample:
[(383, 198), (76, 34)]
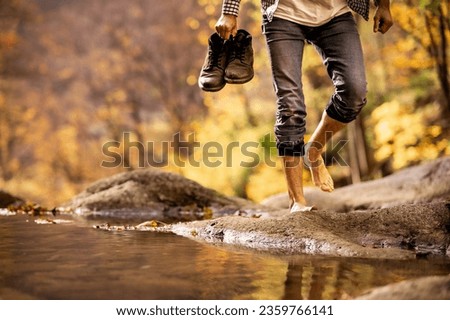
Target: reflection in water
[(77, 262)]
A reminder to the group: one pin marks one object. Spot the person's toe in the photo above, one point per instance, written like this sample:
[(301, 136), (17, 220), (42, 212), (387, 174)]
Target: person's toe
[(328, 185), (331, 183)]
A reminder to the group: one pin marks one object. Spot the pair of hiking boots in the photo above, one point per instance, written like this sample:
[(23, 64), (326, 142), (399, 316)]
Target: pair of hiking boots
[(227, 61)]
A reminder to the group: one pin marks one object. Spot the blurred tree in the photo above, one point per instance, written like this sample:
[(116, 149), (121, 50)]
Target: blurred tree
[(427, 22), (14, 115), (437, 21), (76, 74), (91, 72), (149, 44)]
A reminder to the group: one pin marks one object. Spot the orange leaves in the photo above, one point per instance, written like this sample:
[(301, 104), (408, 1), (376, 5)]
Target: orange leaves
[(404, 135), (8, 40)]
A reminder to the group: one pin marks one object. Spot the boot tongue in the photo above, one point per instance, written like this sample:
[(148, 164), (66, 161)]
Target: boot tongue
[(216, 41), (240, 39)]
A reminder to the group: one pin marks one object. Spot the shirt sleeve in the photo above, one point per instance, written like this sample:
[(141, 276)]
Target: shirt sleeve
[(231, 7)]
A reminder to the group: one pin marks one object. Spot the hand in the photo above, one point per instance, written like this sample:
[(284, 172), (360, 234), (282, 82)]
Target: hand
[(226, 26), (382, 21)]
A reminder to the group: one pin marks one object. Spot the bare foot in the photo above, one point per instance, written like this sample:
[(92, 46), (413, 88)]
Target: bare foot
[(320, 175)]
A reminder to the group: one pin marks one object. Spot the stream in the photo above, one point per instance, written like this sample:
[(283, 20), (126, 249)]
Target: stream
[(75, 261)]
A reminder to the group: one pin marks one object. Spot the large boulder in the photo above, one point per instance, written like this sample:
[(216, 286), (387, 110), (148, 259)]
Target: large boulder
[(419, 184), (153, 194)]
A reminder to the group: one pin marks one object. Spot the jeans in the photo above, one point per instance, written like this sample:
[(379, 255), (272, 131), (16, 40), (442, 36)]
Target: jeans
[(339, 45)]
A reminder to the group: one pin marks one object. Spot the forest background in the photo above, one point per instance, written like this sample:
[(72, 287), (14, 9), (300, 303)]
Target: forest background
[(85, 83)]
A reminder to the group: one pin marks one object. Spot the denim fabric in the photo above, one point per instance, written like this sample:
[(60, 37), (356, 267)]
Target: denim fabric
[(339, 45)]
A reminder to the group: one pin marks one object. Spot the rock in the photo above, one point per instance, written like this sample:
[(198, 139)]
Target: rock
[(427, 288), (7, 199), (423, 183), (369, 220), (151, 194), (401, 232)]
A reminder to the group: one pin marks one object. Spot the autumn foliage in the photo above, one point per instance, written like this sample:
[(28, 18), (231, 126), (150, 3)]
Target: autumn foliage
[(76, 75)]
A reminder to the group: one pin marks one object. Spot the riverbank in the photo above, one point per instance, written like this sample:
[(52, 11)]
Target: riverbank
[(402, 216), (405, 216)]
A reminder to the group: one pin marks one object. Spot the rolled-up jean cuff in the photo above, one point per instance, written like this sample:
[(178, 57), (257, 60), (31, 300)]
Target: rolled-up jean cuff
[(335, 115), (291, 149)]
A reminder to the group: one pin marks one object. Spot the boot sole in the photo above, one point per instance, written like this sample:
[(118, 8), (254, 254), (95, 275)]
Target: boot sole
[(214, 89), (239, 81)]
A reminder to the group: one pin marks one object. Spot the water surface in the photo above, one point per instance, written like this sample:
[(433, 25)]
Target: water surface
[(76, 261)]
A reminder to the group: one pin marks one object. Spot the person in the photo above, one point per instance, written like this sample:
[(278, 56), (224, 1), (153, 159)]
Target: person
[(330, 27)]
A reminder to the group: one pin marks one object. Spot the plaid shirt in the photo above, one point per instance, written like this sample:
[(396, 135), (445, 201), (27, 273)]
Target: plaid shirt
[(269, 6)]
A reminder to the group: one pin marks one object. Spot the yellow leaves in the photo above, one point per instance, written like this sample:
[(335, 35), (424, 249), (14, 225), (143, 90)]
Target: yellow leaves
[(116, 96), (212, 24), (210, 9), (434, 131), (411, 55), (191, 80), (203, 36), (383, 152), (410, 19), (228, 145), (67, 146), (192, 23), (384, 132), (28, 115), (402, 134), (407, 16), (266, 181), (115, 63), (415, 48), (203, 2), (17, 123), (206, 3), (114, 110), (110, 67)]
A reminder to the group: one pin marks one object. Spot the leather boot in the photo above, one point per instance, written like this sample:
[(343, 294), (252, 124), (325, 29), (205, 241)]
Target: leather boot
[(213, 70), (240, 61)]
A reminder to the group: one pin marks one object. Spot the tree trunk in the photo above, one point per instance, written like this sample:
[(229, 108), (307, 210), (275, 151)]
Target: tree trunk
[(359, 164), (438, 50)]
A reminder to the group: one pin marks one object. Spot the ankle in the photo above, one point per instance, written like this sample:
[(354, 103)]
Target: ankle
[(314, 154), (313, 150)]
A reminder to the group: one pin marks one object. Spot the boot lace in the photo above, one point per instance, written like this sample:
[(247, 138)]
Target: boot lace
[(238, 52), (214, 58)]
